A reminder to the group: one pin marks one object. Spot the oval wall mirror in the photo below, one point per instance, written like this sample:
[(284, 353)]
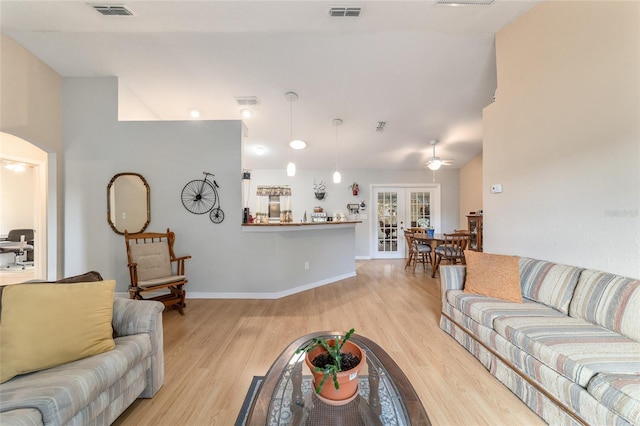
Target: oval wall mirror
[(128, 203)]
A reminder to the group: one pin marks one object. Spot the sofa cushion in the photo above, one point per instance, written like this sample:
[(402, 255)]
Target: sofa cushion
[(87, 277), (608, 300), (548, 283), (573, 347), (618, 392), (60, 392), (44, 325), (485, 309), (492, 275)]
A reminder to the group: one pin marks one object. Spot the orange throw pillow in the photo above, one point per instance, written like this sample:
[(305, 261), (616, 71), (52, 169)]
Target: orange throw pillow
[(493, 275)]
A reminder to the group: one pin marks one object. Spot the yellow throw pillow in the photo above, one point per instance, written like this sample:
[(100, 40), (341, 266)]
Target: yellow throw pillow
[(493, 275), (45, 325)]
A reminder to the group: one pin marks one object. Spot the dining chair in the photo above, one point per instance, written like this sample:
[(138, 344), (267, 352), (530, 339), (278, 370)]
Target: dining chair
[(452, 250), (418, 253), (462, 231), (154, 267), (407, 236)]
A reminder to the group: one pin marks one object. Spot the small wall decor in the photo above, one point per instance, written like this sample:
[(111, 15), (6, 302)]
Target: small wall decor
[(200, 196), (362, 206), (355, 188), (320, 190), (354, 208)]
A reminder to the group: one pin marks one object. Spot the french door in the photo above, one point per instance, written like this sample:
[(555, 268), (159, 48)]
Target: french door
[(398, 208)]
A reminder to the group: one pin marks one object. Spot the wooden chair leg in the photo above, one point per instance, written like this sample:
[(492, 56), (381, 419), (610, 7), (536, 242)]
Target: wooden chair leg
[(409, 259), (436, 266)]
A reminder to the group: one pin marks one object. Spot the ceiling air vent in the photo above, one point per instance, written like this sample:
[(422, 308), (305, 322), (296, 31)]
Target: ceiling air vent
[(380, 126), (345, 11), (113, 10), (247, 100), (464, 2)]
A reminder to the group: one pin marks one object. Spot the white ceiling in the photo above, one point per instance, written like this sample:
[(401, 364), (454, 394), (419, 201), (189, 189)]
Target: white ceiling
[(426, 69)]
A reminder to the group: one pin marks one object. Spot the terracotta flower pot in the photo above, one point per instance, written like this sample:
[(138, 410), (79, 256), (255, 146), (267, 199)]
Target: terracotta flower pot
[(348, 380)]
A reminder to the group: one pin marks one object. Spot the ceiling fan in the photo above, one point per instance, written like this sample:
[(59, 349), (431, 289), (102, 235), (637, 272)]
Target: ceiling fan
[(434, 162)]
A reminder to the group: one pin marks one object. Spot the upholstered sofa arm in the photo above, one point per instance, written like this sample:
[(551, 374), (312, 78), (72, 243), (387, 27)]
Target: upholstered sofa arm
[(21, 417), (143, 316), (451, 278)]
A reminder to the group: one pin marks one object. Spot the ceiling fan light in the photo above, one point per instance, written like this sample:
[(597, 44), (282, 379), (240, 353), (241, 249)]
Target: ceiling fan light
[(291, 169), (336, 177), (434, 164)]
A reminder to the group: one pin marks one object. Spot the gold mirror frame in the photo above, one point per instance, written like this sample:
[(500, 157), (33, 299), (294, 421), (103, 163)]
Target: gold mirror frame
[(128, 208)]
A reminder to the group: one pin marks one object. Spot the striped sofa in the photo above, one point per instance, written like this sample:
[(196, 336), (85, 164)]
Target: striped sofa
[(97, 389), (571, 351)]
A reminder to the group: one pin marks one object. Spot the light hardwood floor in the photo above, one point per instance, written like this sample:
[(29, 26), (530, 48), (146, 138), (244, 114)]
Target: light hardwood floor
[(212, 353)]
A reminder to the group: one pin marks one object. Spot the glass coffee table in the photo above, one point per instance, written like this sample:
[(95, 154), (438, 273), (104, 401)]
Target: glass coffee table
[(385, 395)]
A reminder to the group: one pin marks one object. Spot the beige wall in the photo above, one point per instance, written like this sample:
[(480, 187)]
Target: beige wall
[(31, 109), (470, 189), (563, 137), (31, 101)]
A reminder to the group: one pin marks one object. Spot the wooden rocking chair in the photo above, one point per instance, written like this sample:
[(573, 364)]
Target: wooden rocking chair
[(154, 267)]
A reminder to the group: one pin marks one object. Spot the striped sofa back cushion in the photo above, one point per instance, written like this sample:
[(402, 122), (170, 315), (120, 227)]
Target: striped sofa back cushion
[(608, 300), (548, 283)]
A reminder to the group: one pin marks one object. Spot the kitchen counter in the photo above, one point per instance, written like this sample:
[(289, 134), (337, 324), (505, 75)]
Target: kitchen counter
[(298, 256), (296, 226)]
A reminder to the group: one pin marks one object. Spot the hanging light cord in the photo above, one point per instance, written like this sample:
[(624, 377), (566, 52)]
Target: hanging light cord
[(336, 148), (290, 129)]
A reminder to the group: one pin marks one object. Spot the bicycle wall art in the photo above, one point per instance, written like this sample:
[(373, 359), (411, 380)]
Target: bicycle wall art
[(200, 196)]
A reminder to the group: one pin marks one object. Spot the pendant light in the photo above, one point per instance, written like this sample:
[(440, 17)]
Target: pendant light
[(293, 144), (336, 175), (291, 169)]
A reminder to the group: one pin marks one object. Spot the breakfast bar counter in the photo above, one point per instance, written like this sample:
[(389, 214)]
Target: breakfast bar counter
[(298, 256), (297, 226)]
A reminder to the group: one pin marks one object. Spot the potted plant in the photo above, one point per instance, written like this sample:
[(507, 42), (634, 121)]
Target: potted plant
[(354, 188), (334, 361), (319, 189)]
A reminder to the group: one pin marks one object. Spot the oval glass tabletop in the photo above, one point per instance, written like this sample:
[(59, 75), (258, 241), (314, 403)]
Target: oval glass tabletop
[(385, 395)]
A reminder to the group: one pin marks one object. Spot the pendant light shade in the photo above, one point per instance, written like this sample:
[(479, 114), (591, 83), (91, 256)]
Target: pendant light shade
[(291, 169), (337, 178)]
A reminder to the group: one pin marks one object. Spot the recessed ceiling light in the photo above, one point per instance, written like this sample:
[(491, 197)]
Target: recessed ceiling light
[(246, 113), (259, 150), (297, 144), (194, 113)]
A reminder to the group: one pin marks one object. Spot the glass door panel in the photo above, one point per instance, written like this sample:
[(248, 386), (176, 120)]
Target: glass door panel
[(419, 208), (389, 222)]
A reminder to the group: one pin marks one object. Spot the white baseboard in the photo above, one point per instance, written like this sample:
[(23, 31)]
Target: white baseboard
[(277, 295), (252, 295), (363, 258)]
